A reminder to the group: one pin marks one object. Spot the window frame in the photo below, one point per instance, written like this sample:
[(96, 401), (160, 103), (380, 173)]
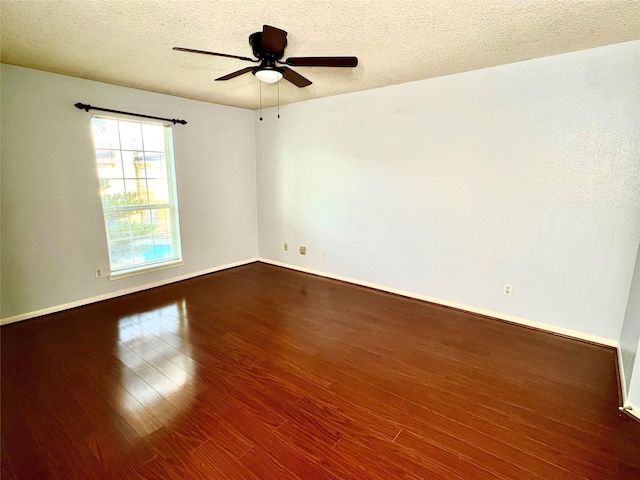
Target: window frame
[(171, 205)]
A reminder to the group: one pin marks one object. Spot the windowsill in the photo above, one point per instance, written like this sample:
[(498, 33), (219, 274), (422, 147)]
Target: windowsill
[(140, 271)]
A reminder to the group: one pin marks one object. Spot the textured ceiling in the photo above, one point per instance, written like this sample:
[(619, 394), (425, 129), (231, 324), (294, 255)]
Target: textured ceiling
[(129, 42)]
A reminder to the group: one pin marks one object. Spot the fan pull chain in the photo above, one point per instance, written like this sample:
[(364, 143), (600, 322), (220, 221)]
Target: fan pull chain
[(278, 99), (260, 101)]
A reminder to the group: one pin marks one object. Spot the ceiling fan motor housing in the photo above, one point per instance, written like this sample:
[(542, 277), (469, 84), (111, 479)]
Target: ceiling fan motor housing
[(255, 40)]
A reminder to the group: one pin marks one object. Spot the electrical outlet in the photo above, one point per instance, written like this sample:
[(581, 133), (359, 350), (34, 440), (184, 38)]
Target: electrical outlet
[(286, 247), (98, 273), (508, 289), (324, 254), (303, 250)]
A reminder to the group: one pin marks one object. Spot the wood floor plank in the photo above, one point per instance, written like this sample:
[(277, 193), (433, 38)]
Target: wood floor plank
[(219, 460), (328, 457), (264, 467), (386, 463), (479, 457), (20, 450), (498, 442), (268, 449), (263, 372)]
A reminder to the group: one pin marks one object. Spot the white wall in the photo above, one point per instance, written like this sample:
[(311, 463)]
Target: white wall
[(527, 173), (630, 334), (53, 234)]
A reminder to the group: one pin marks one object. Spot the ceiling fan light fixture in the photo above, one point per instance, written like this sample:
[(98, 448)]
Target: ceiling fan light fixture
[(268, 75)]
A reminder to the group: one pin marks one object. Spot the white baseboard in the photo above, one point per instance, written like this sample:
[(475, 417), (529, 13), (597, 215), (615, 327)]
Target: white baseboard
[(631, 409), (623, 383), (509, 318), (119, 293), (467, 308)]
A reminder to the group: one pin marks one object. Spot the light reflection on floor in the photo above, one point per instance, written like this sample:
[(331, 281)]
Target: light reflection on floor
[(158, 371)]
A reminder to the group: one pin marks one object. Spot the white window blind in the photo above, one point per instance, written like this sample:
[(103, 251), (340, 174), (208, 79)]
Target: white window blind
[(138, 190)]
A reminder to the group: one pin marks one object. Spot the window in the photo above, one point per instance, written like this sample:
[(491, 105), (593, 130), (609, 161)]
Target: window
[(138, 190)]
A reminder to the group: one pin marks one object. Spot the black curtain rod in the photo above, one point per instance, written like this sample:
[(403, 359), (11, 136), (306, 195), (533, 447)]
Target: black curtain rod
[(87, 107)]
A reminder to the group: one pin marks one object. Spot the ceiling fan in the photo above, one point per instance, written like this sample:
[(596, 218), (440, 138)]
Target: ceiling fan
[(268, 48)]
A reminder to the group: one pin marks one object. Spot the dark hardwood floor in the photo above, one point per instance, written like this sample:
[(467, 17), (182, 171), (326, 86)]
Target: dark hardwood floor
[(260, 372)]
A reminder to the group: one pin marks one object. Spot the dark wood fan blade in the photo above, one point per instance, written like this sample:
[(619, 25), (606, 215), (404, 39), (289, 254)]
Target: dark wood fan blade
[(295, 78), (214, 53), (236, 74), (322, 61), (273, 41)]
